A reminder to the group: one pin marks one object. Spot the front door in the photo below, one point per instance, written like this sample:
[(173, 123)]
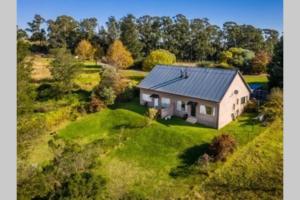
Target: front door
[(193, 110)]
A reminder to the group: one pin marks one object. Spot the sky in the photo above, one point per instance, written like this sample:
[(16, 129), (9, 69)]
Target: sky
[(260, 13)]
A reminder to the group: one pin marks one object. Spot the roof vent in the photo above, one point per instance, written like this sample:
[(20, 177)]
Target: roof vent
[(181, 73), (185, 73)]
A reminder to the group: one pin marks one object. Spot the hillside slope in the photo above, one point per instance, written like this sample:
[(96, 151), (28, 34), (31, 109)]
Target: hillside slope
[(253, 172)]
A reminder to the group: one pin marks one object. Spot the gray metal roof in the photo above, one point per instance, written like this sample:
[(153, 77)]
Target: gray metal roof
[(203, 83)]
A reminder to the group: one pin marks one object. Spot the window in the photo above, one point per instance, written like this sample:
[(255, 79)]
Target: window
[(233, 107), (146, 97), (178, 107), (207, 110), (210, 110), (165, 102), (202, 109), (243, 100), (237, 101), (181, 106)]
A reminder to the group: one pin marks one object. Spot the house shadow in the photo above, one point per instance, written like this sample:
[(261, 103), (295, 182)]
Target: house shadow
[(189, 158)]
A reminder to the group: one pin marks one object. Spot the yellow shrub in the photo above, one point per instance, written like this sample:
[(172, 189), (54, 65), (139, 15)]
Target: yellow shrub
[(156, 57), (85, 50)]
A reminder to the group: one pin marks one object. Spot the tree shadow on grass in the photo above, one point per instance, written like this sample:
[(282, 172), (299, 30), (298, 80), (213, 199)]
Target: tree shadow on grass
[(188, 158)]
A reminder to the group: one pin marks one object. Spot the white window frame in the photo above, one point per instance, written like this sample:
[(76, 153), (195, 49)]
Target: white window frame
[(146, 97)]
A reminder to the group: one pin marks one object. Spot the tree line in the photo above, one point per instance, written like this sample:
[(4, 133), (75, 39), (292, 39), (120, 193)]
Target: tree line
[(190, 40)]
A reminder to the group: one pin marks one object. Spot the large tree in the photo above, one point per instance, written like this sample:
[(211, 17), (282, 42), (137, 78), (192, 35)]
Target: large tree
[(63, 32), (275, 68), (113, 29), (130, 35), (37, 33), (85, 50), (63, 69), (87, 28), (150, 33)]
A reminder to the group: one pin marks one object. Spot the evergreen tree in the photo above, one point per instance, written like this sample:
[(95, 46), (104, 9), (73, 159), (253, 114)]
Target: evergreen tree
[(130, 35), (275, 68)]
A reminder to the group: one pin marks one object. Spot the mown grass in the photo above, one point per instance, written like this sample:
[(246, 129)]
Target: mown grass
[(254, 172), (147, 155)]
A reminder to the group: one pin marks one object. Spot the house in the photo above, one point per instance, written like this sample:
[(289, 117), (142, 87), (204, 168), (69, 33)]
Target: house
[(209, 96)]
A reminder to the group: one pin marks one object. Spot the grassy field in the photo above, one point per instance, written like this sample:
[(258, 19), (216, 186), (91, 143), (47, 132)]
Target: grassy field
[(144, 157), (258, 175), (158, 160)]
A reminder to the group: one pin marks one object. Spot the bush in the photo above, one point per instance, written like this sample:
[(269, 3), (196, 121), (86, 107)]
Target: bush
[(251, 106), (273, 108), (151, 114), (47, 91), (222, 146), (108, 95), (156, 57), (119, 56), (95, 104), (129, 93)]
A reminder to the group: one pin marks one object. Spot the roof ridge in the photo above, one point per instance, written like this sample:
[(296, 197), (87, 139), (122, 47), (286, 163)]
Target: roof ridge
[(196, 68)]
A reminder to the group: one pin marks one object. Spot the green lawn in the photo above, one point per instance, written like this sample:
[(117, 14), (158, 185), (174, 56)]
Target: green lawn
[(144, 157), (256, 78)]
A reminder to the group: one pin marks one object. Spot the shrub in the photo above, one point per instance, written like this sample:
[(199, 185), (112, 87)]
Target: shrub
[(273, 108), (222, 146), (156, 57), (47, 91), (129, 93), (119, 56), (95, 104), (108, 95), (151, 114), (251, 106)]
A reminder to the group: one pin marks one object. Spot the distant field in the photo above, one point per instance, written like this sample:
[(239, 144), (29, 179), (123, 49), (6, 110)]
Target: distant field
[(256, 78)]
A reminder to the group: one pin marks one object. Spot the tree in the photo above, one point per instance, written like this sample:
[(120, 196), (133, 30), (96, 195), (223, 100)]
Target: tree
[(180, 37), (63, 69), (25, 91), (63, 32), (21, 34), (113, 29), (243, 36), (130, 35), (37, 33), (205, 39), (119, 56), (150, 33), (156, 57), (271, 39), (85, 50), (260, 62), (273, 108), (275, 69), (238, 57), (87, 28)]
